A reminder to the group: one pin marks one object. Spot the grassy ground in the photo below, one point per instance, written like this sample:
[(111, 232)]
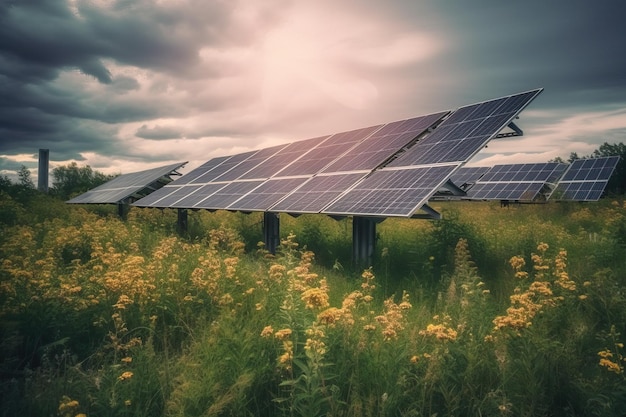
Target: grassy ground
[(491, 311)]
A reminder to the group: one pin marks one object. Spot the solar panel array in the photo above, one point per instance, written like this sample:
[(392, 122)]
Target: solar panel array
[(586, 179), (128, 187), (519, 182), (384, 170)]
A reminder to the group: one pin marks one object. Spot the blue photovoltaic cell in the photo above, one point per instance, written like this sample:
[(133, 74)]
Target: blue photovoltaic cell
[(268, 193), (225, 166), (586, 179), (384, 143), (466, 131), (392, 192), (317, 193), (318, 158), (128, 186)]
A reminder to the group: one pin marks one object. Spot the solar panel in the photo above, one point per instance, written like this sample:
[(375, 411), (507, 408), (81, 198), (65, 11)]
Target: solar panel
[(586, 179), (227, 194), (519, 182), (317, 193), (466, 131), (389, 193), (128, 187), (267, 194), (166, 196), (467, 176), (384, 170), (382, 144), (318, 158), (202, 169)]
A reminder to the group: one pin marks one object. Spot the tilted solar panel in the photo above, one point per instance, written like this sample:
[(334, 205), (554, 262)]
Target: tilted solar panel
[(227, 194), (128, 187), (318, 158), (519, 182), (586, 179), (384, 143), (466, 131)]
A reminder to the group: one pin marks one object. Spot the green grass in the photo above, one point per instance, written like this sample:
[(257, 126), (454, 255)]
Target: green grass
[(107, 317)]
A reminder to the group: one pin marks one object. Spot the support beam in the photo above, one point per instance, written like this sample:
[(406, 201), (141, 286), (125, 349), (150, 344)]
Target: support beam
[(122, 210), (271, 231), (363, 240), (182, 221)]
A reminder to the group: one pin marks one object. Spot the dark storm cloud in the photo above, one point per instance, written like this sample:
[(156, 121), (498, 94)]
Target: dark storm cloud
[(570, 48)]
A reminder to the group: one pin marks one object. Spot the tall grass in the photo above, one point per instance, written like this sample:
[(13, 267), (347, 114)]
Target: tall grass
[(518, 311)]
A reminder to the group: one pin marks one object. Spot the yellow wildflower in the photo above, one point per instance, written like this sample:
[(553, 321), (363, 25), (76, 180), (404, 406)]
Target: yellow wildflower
[(267, 331), (282, 334), (126, 375)]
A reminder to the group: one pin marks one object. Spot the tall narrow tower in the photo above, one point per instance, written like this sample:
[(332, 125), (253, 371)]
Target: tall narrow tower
[(42, 176)]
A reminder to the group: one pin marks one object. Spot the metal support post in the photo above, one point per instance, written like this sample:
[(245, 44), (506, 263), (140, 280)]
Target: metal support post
[(271, 231)]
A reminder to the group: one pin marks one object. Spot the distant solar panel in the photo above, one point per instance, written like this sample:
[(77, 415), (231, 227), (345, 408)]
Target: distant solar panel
[(586, 179), (255, 160), (201, 170), (166, 196), (227, 194), (466, 131), (129, 187), (518, 182)]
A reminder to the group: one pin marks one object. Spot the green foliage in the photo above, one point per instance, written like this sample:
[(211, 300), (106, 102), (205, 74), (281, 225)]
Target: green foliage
[(71, 180), (518, 311)]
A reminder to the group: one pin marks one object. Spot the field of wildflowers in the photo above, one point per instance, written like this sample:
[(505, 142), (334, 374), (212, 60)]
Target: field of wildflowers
[(489, 312)]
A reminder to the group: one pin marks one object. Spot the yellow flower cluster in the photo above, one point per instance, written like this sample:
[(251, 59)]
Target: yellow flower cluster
[(392, 321), (607, 361), (526, 304), (441, 331)]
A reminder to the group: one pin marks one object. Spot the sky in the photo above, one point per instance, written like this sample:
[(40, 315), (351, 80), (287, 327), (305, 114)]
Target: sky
[(128, 85)]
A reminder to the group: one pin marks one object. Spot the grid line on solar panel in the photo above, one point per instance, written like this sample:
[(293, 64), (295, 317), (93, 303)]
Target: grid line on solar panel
[(465, 131), (126, 186), (316, 193), (396, 192)]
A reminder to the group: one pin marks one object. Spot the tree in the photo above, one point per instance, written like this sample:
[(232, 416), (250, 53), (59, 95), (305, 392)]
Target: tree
[(70, 180), (25, 179)]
